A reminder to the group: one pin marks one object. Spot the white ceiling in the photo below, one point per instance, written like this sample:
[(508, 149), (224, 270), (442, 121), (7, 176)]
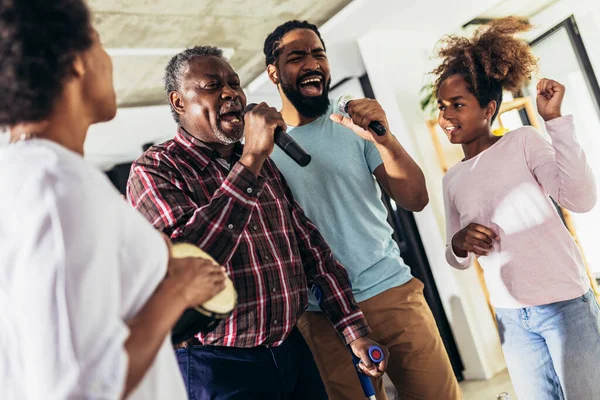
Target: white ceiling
[(144, 34), (153, 27), (519, 8)]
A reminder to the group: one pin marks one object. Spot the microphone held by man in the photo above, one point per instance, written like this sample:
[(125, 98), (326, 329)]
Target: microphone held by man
[(286, 143), (348, 105)]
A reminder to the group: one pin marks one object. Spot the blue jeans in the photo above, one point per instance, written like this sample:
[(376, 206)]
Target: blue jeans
[(284, 372), (553, 351)]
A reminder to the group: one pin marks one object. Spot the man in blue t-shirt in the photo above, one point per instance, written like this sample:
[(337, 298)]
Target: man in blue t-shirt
[(338, 191)]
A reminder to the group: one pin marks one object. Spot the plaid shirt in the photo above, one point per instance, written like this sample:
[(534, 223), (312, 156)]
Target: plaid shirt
[(253, 227)]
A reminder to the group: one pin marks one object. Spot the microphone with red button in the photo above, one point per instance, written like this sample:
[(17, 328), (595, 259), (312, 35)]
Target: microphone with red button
[(375, 354), (287, 144)]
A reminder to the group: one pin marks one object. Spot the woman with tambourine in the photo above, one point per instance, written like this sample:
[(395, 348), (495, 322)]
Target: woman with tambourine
[(88, 291)]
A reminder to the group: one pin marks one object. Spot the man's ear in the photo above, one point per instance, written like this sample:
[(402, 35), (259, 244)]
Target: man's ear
[(273, 73), (177, 102)]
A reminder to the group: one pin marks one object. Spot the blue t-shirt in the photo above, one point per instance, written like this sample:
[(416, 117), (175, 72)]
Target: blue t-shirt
[(341, 197)]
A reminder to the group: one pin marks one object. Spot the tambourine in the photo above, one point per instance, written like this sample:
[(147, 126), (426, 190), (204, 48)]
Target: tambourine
[(205, 317)]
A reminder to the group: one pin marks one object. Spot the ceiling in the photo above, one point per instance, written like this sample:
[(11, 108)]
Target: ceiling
[(519, 8), (142, 35)]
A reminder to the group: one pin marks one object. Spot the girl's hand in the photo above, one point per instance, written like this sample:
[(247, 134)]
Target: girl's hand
[(473, 238), (549, 98)]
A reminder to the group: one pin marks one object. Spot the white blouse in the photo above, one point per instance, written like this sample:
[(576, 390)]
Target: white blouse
[(76, 263)]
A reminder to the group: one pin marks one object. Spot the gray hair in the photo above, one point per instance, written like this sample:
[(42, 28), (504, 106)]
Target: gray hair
[(179, 63)]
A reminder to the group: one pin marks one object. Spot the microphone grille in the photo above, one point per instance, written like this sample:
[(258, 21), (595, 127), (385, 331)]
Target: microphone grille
[(343, 102), (249, 107)]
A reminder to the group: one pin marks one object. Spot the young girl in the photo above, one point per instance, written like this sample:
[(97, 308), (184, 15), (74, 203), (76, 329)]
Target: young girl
[(498, 209)]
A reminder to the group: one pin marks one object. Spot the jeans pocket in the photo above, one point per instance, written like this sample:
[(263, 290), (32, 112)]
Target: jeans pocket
[(420, 285), (590, 297)]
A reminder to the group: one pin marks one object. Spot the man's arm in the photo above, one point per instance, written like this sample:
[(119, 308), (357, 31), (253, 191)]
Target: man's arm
[(337, 301), (157, 191), (393, 167), (400, 176)]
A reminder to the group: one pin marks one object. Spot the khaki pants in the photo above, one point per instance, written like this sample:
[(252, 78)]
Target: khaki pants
[(401, 320)]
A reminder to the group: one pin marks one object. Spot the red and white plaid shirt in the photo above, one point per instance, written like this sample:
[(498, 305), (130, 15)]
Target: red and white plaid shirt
[(253, 227)]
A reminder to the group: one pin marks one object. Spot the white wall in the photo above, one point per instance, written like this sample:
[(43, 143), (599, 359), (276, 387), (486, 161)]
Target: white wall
[(3, 137), (121, 139), (587, 15)]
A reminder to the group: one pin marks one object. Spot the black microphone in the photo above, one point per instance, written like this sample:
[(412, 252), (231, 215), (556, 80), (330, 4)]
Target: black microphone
[(287, 144), (375, 126)]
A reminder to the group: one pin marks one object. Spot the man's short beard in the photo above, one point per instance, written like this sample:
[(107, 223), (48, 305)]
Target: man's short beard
[(231, 138), (308, 106)]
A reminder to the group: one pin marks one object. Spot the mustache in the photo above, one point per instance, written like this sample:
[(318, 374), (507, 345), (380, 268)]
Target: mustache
[(231, 106), (310, 74)]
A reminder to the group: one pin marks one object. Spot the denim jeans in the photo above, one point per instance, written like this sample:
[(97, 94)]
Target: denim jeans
[(553, 351), (286, 372)]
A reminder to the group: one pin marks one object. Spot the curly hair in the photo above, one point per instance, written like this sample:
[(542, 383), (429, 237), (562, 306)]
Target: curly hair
[(492, 60), (39, 40), (271, 46), (178, 65)]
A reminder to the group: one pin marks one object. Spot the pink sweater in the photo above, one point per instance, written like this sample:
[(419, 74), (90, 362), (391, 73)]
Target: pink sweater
[(506, 188)]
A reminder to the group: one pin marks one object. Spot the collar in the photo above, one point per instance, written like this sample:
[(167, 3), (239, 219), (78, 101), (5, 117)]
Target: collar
[(201, 151)]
